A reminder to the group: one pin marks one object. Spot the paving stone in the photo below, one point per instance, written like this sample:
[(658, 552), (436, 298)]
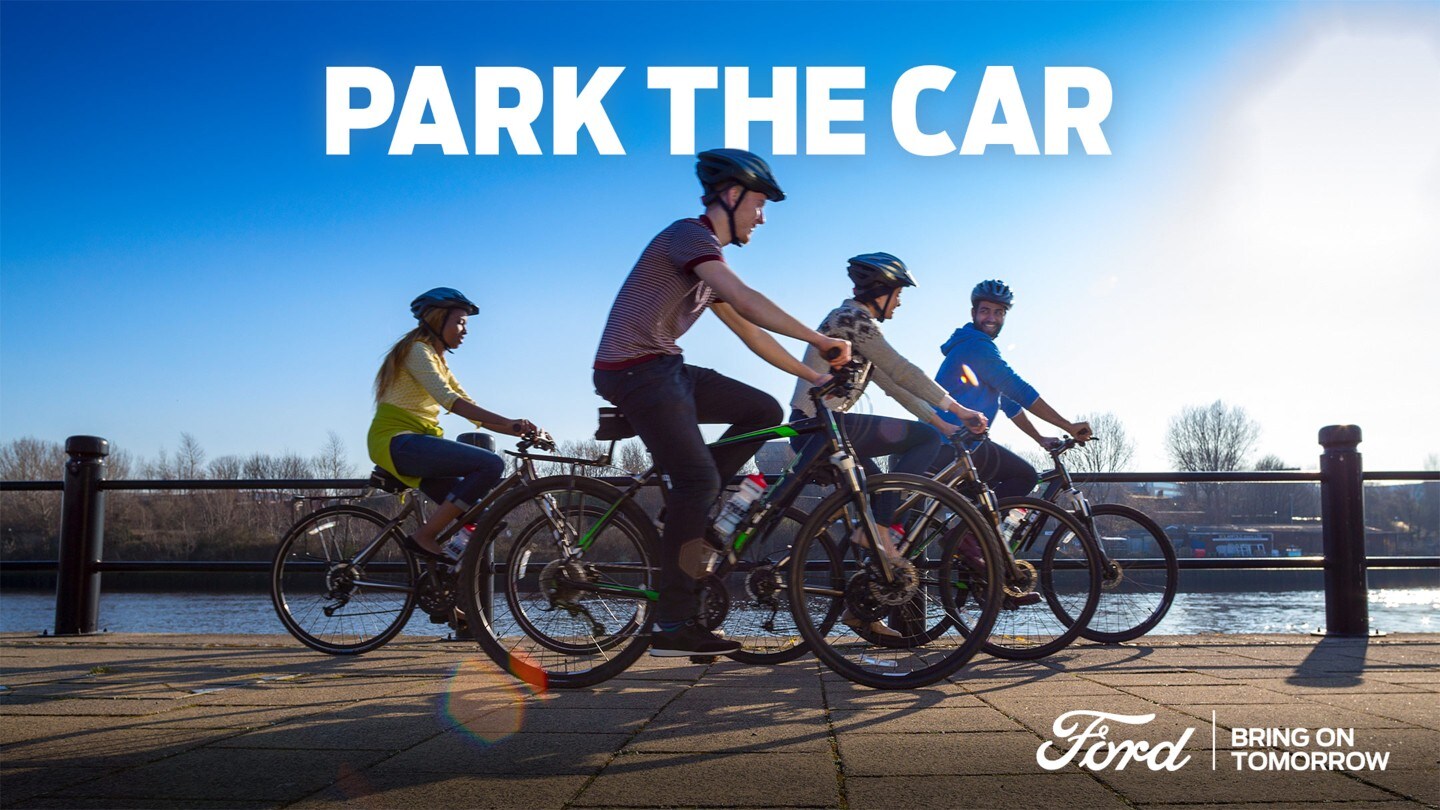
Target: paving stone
[(1416, 708), (92, 803), (76, 707), (924, 721), (1422, 785), (1179, 677), (522, 753), (383, 730), (1335, 685), (384, 790), (1227, 695), (229, 775), (104, 747), (715, 780), (23, 781), (1197, 783), (792, 730), (233, 717), (948, 792), (938, 754)]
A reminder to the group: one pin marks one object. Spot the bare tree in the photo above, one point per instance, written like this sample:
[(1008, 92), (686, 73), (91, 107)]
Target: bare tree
[(333, 461), (189, 459), (1211, 438), (1111, 450), (632, 457), (30, 520), (226, 467)]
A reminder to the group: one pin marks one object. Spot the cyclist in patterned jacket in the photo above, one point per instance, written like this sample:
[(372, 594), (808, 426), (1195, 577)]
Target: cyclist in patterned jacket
[(998, 388), (879, 279), (640, 369)]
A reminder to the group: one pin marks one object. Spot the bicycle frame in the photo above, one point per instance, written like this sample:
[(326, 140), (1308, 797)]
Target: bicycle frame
[(835, 453)]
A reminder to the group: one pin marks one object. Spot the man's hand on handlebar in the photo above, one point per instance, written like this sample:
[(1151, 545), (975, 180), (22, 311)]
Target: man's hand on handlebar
[(976, 422), (1050, 442), (1081, 432), (835, 351)]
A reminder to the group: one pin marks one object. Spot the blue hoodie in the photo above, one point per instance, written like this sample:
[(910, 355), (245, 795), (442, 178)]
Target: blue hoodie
[(1000, 387)]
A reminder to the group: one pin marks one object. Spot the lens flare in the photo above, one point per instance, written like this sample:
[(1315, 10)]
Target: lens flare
[(487, 703)]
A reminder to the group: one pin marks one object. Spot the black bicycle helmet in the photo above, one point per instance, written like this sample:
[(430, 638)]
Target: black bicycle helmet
[(879, 270), (446, 297), (993, 291), (718, 169)]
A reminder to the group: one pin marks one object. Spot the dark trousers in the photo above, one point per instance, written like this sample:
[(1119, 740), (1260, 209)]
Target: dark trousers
[(666, 401), (1005, 472), (912, 444)]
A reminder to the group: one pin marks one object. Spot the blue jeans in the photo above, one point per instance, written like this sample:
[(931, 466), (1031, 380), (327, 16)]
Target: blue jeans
[(666, 401), (447, 470)]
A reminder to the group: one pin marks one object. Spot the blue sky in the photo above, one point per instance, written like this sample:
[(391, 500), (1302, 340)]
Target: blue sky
[(178, 253)]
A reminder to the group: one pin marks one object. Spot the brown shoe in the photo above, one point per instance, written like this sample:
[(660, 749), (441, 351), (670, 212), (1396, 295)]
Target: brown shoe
[(875, 628)]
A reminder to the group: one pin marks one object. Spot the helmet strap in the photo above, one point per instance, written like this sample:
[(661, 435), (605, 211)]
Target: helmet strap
[(432, 333), (730, 212), (872, 297)]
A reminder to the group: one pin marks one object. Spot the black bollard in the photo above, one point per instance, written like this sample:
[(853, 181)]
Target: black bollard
[(1342, 515), (82, 535)]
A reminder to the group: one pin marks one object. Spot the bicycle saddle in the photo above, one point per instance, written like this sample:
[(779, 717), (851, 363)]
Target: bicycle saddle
[(381, 479), (613, 426)]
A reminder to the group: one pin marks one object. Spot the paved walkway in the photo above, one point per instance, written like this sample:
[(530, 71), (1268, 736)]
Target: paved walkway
[(161, 721)]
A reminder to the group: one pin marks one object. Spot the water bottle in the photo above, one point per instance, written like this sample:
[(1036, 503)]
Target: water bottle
[(1012, 520), (738, 506), (455, 547), (1069, 500)]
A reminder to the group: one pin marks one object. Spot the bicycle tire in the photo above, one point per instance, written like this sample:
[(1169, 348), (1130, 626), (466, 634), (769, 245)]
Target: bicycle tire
[(1068, 580), (761, 616), (519, 626), (1134, 597), (909, 661), (322, 596)]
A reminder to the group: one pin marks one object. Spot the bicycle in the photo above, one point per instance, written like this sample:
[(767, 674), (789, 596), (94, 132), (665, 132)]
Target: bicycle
[(576, 597), (1053, 559), (1139, 568), (340, 580)]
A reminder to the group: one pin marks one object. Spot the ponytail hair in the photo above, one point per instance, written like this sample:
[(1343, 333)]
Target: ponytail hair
[(432, 324)]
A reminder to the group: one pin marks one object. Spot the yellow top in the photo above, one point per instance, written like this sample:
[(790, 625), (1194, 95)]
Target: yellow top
[(412, 404)]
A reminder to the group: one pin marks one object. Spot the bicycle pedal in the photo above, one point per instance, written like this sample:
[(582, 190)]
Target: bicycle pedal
[(704, 659)]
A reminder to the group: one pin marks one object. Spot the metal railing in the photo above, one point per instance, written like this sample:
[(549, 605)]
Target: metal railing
[(1341, 479)]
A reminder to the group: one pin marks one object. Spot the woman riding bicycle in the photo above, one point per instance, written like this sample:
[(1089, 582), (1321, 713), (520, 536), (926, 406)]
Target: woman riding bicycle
[(879, 279), (414, 383)]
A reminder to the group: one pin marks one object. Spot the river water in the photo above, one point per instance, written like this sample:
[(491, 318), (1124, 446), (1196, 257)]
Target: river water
[(1394, 610)]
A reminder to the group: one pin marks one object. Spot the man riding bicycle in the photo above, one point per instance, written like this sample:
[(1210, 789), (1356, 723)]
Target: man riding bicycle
[(998, 387), (640, 369), (878, 280)]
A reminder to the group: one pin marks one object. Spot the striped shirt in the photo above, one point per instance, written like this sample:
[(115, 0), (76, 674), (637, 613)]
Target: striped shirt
[(661, 298)]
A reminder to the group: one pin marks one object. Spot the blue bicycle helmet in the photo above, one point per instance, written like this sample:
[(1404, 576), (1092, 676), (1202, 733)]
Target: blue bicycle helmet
[(444, 297)]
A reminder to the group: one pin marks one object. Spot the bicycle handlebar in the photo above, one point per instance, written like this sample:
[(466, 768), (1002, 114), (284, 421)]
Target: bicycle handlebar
[(537, 438)]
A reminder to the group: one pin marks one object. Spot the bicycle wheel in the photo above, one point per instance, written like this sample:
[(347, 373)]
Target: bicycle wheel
[(1138, 583), (330, 598), (931, 646), (559, 583), (1046, 613), (760, 616)]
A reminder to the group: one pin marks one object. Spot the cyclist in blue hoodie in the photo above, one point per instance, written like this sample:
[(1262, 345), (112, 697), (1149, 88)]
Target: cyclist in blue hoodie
[(998, 387)]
